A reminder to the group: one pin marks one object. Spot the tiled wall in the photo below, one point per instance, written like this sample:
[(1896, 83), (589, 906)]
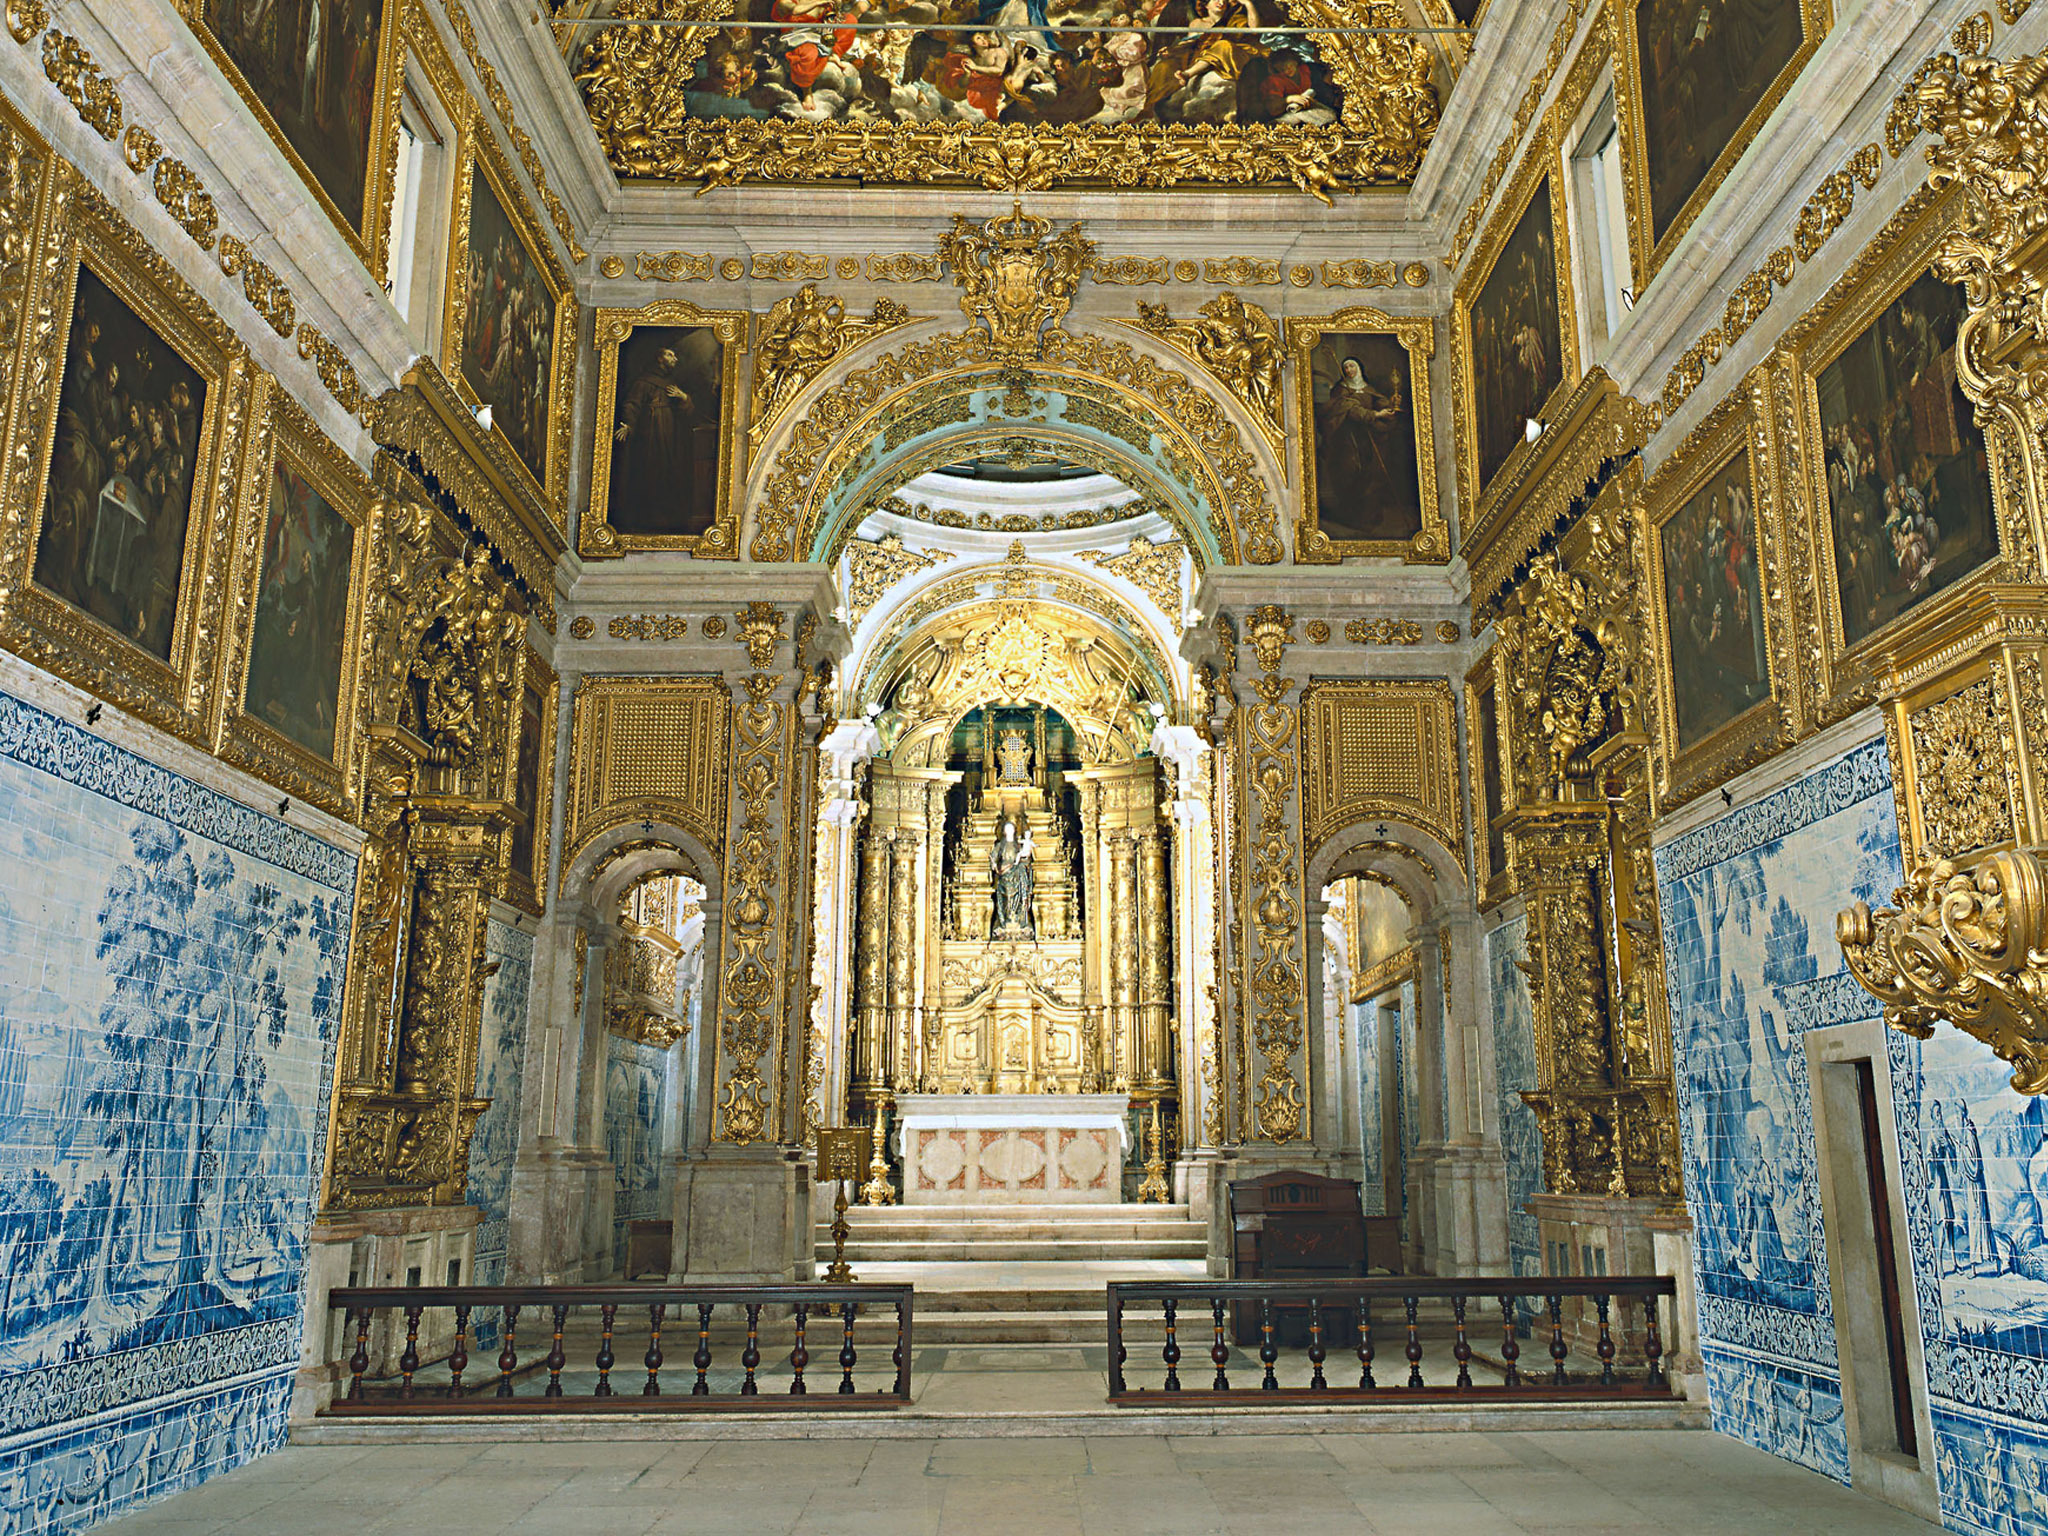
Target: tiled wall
[(1752, 963), (1514, 1056), (635, 1106), (1372, 1190), (499, 1064), (171, 967)]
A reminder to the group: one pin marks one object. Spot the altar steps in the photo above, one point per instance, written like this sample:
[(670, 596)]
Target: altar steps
[(1018, 1274)]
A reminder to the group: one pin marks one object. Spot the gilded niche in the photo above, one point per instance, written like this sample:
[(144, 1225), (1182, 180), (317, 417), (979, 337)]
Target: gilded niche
[(1028, 96)]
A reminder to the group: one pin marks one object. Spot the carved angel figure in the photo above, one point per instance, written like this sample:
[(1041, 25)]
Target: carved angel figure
[(800, 335), (1239, 343)]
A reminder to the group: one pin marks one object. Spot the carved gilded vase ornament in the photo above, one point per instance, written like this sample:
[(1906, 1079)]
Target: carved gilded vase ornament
[(1000, 108), (1014, 280)]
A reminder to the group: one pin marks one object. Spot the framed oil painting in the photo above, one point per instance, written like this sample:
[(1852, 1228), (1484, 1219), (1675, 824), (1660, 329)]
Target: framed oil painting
[(133, 451), (1488, 787), (1368, 465), (303, 555), (1514, 326), (665, 454), (510, 339), (1695, 80), (1711, 553), (532, 785), (1901, 477), (319, 75)]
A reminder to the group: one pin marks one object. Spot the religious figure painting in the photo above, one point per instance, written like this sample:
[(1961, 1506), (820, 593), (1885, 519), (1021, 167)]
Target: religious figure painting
[(313, 66), (1366, 481), (666, 466), (1908, 475), (122, 470), (1058, 62), (1713, 604), (295, 649), (526, 782), (1516, 336), (508, 328), (1704, 66)]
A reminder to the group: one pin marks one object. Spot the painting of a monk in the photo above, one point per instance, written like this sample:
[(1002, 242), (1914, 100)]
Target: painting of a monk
[(665, 462), (1366, 480)]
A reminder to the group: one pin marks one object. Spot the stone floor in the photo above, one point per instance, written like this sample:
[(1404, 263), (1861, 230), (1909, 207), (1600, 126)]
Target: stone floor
[(1570, 1483)]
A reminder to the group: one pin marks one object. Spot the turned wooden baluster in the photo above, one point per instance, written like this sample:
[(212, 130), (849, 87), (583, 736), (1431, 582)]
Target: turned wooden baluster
[(1653, 1342), (1365, 1380), (799, 1357), (508, 1357), (1171, 1354), (1117, 1353), (556, 1358), (1219, 1352), (605, 1358), (1414, 1345), (900, 1355), (655, 1313), (1268, 1350), (751, 1355), (410, 1360), (1461, 1347), (1315, 1345), (846, 1354), (359, 1362), (1557, 1347), (702, 1359), (1606, 1345), (1510, 1346), (458, 1357)]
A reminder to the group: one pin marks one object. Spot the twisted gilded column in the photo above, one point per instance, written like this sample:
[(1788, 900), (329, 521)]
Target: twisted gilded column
[(1155, 964), (903, 886)]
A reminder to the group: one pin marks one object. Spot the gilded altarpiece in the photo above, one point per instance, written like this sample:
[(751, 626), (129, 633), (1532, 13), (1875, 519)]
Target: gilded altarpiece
[(1578, 852), (1963, 685)]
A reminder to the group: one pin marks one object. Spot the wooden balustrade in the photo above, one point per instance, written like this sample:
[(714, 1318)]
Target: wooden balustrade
[(1359, 1314), (739, 1381)]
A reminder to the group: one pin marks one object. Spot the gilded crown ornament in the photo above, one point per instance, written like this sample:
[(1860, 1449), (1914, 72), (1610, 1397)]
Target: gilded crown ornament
[(1014, 280)]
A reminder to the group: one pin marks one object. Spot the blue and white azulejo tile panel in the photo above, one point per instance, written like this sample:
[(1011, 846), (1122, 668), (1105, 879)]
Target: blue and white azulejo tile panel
[(1514, 1059), (635, 1106), (499, 1066), (171, 971)]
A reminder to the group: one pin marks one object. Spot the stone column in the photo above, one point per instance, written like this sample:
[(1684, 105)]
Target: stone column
[(1202, 1084), (833, 1053)]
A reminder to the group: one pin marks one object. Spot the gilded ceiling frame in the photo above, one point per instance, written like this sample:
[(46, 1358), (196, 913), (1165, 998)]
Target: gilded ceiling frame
[(1543, 161), (70, 226), (1836, 678), (634, 80), (372, 241), (1418, 339), (283, 430), (1739, 427), (595, 536), (836, 421), (1647, 251), (477, 151)]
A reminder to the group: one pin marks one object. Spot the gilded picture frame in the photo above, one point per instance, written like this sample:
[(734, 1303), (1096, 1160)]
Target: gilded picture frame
[(1846, 669), (1541, 170), (1416, 339), (86, 242), (1723, 476), (596, 538), (480, 163), (533, 753), (1650, 247), (288, 444), (370, 235)]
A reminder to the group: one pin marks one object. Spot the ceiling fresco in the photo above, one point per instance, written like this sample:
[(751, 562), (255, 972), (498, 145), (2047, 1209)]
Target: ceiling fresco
[(1011, 94)]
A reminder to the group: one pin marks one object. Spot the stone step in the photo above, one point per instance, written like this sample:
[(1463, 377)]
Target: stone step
[(1011, 1328), (952, 1250), (1018, 1214), (1022, 1236)]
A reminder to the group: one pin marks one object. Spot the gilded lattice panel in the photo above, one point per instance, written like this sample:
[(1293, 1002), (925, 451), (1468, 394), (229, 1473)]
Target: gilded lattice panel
[(1383, 749), (647, 748)]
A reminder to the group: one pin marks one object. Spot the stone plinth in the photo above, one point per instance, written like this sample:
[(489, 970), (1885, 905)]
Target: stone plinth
[(972, 1149)]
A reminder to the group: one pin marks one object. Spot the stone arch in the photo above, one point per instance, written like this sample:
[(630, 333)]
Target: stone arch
[(1429, 876), (615, 857), (1143, 404)]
